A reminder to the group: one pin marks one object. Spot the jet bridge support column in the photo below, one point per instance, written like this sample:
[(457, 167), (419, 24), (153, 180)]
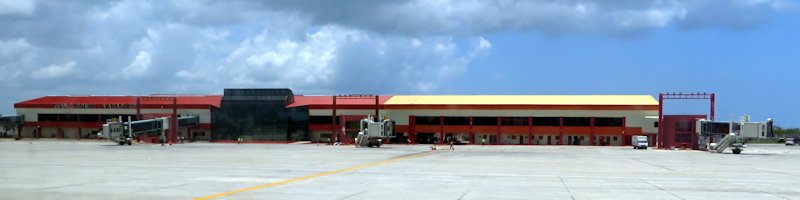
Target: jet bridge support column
[(471, 132), (561, 130), (592, 140), (530, 130), (19, 132), (412, 132), (622, 137), (499, 131), (441, 130), (173, 129)]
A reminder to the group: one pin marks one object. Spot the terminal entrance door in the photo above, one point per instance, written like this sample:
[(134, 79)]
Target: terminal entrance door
[(492, 139), (626, 140), (425, 138)]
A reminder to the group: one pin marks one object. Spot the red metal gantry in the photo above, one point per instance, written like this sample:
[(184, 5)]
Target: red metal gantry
[(334, 129), (172, 136), (679, 96)]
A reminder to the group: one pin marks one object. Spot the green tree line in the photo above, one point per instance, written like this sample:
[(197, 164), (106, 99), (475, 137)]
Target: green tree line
[(785, 131)]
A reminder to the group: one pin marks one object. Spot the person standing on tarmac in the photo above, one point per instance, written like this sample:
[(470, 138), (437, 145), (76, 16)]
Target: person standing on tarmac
[(162, 139), (451, 145), (483, 141)]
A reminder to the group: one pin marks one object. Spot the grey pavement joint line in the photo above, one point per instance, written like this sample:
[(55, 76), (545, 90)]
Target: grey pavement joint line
[(473, 185), (761, 191), (566, 187), (771, 171), (662, 189), (659, 166), (71, 185), (161, 188), (354, 194)]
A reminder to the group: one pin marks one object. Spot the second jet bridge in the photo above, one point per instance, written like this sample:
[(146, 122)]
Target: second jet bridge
[(150, 129)]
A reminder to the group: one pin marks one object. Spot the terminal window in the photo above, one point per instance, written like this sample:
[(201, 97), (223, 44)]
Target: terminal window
[(683, 126), (514, 121), (421, 120), (546, 121)]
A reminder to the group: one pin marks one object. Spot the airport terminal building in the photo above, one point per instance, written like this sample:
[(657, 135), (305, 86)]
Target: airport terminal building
[(279, 115), (81, 117)]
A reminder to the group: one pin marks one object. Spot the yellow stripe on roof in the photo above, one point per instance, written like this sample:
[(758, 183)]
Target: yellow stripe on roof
[(522, 100)]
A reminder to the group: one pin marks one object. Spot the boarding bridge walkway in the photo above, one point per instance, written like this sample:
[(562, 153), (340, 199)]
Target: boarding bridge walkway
[(12, 120), (158, 125), (188, 121)]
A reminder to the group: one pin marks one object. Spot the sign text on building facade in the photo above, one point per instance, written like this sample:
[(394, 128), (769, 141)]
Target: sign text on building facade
[(88, 105)]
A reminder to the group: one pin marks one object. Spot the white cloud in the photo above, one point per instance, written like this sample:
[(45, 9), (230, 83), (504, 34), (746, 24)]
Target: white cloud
[(54, 71), (139, 66), (339, 58), (284, 51), (274, 58), (16, 7), (415, 42), (483, 43), (192, 75), (426, 87), (13, 48)]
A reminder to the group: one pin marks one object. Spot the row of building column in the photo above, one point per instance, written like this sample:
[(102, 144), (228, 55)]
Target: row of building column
[(413, 132)]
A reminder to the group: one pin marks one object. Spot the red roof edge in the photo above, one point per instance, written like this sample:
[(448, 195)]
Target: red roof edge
[(184, 102), (303, 100)]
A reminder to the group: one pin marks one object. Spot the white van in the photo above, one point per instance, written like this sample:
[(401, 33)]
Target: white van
[(790, 142), (639, 142)]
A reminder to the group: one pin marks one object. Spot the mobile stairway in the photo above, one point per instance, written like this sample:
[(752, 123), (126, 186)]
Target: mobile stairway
[(730, 141)]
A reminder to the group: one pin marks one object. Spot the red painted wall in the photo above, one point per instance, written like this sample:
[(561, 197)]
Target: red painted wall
[(668, 139)]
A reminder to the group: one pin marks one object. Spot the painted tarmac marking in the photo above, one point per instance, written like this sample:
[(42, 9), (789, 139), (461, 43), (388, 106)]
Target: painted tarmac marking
[(313, 176)]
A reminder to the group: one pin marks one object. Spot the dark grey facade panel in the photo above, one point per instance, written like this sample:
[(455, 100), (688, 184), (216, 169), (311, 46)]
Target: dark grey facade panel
[(259, 114)]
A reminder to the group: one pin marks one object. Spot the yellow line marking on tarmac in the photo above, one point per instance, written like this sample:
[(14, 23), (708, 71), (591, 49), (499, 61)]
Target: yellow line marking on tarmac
[(313, 176)]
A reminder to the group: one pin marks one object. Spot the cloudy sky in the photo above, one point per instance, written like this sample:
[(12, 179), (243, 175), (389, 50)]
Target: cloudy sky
[(747, 51)]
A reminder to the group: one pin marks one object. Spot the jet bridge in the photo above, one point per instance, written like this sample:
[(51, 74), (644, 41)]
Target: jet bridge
[(730, 134), (13, 121), (372, 133), (188, 121), (124, 132)]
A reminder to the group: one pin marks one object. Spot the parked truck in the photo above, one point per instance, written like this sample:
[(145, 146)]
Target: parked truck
[(639, 142)]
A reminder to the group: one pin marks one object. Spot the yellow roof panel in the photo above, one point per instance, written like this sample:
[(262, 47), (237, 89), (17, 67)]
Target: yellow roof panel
[(522, 100)]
